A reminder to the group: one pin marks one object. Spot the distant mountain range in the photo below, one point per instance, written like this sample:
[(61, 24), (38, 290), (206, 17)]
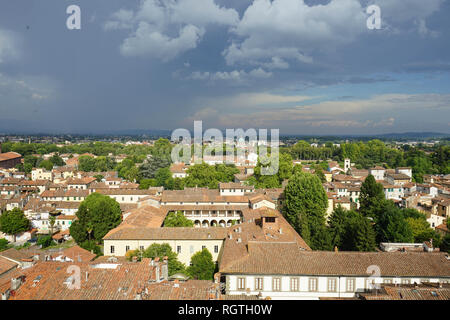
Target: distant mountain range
[(413, 135), (18, 127), (403, 136)]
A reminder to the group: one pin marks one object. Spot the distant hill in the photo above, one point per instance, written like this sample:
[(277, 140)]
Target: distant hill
[(413, 135)]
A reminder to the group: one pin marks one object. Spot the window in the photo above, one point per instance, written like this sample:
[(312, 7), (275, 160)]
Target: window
[(332, 284), (141, 248), (203, 247), (387, 281), (127, 248), (112, 249), (312, 284), (370, 284), (294, 284), (350, 285), (178, 249), (406, 281), (241, 283), (259, 283), (216, 249), (276, 284)]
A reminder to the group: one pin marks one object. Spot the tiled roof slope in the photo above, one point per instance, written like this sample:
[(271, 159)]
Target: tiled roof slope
[(287, 258)]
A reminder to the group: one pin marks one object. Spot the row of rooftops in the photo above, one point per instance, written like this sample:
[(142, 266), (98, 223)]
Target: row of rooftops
[(49, 276)]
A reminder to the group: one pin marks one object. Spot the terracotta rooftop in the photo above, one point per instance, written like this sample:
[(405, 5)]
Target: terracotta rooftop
[(199, 195), (9, 155), (409, 292), (287, 258), (6, 265), (48, 281), (143, 233)]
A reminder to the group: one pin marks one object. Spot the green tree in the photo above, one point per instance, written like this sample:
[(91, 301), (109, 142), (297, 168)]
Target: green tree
[(57, 160), (371, 195), (350, 231), (86, 164), (46, 164), (338, 226), (160, 158), (51, 222), (14, 222), (445, 244), (98, 177), (164, 178), (177, 219), (145, 184), (422, 231), (202, 266), (365, 235), (164, 250), (97, 213), (44, 241), (305, 205), (390, 224), (3, 244)]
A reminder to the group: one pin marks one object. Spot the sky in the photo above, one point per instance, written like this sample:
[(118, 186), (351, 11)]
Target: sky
[(302, 66)]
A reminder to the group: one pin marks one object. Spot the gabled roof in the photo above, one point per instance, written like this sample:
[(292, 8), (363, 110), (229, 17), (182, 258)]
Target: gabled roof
[(287, 258), (9, 156)]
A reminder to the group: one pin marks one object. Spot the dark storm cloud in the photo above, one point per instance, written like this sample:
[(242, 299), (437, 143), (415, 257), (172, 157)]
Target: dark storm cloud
[(160, 64)]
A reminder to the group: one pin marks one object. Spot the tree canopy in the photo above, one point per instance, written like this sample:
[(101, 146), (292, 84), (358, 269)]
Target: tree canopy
[(202, 266), (305, 205), (97, 215), (164, 250), (177, 219), (14, 222)]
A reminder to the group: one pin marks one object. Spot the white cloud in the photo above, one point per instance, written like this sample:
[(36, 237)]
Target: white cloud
[(166, 29), (235, 75), (290, 29), (148, 41), (273, 31), (267, 110), (252, 100)]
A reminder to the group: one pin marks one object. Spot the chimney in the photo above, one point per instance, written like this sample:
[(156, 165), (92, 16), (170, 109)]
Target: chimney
[(336, 249), (15, 283), (157, 270), (165, 269)]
